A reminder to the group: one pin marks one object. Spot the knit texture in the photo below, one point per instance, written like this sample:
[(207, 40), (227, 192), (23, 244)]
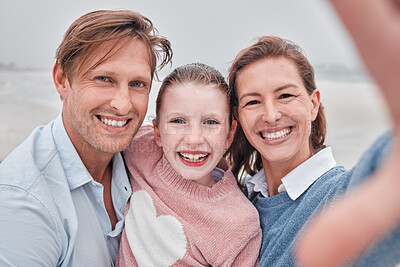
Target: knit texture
[(171, 221), (282, 218)]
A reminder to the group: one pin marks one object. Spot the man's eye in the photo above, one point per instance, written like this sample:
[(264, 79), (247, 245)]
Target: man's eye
[(103, 78), (137, 84)]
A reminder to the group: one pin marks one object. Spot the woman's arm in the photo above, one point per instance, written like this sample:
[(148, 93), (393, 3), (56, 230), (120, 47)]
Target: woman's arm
[(351, 225)]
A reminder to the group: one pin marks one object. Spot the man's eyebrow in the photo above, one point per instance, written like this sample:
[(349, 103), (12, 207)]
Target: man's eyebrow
[(138, 77)]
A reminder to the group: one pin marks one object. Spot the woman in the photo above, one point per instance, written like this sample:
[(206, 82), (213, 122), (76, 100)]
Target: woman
[(280, 142)]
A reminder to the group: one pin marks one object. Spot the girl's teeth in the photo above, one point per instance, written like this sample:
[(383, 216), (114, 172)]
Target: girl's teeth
[(276, 135), (193, 157), (113, 123)]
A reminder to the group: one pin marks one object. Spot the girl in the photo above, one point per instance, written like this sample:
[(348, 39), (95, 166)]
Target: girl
[(186, 208), (280, 142)]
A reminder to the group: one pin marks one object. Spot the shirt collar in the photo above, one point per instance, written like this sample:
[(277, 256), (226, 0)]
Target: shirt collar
[(257, 183), (75, 171), (299, 179)]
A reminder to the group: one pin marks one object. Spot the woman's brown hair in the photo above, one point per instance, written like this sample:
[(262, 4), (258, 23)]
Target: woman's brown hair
[(243, 156)]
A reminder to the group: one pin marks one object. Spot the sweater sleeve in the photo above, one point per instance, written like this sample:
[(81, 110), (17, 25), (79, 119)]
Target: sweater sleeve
[(249, 254), (371, 160)]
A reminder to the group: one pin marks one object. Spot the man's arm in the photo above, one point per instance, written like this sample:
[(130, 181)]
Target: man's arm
[(27, 230)]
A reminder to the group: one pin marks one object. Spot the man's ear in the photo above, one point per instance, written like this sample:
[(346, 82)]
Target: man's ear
[(231, 134), (60, 80), (157, 136)]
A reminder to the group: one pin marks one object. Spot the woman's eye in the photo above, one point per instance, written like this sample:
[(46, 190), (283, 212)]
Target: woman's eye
[(177, 121), (210, 122), (252, 102), (285, 96)]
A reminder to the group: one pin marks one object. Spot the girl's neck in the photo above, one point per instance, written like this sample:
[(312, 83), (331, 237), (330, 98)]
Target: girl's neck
[(206, 181)]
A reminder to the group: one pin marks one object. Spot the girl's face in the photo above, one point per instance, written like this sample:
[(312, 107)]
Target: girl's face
[(194, 129), (275, 111)]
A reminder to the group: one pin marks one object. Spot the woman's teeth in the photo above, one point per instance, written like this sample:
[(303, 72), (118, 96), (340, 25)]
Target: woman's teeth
[(276, 135), (193, 157), (113, 123)]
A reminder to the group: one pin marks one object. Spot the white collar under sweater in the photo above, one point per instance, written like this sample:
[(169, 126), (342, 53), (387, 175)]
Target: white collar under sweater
[(298, 180)]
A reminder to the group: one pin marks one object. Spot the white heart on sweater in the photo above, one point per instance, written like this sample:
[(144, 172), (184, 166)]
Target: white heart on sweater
[(154, 240)]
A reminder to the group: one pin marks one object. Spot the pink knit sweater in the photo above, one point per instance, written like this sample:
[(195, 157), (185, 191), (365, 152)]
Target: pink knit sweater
[(171, 221)]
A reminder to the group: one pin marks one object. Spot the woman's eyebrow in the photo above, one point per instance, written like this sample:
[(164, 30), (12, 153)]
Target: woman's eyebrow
[(280, 88), (249, 94)]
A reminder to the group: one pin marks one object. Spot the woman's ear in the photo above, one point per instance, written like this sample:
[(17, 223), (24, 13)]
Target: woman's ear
[(236, 113), (231, 134), (60, 80), (315, 98), (157, 136)]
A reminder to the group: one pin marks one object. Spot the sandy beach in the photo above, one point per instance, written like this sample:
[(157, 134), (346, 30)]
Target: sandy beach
[(22, 118), (355, 113)]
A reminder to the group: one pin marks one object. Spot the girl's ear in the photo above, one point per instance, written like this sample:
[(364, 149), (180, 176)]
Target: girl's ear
[(315, 98), (60, 80), (157, 136), (231, 134)]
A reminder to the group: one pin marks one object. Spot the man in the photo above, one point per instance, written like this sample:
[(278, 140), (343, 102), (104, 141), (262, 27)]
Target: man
[(63, 191)]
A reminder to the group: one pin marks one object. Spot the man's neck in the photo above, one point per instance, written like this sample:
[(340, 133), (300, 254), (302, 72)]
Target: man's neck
[(99, 165)]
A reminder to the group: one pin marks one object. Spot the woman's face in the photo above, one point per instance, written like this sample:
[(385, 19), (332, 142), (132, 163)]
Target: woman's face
[(276, 111)]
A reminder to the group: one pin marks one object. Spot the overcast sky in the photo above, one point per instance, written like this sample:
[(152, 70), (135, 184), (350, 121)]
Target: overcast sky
[(208, 31)]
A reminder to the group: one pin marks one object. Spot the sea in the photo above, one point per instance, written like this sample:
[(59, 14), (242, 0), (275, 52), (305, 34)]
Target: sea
[(355, 110)]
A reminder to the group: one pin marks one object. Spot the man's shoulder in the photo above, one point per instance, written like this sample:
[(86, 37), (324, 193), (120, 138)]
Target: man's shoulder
[(28, 161)]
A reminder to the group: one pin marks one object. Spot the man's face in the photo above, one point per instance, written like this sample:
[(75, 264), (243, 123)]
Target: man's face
[(104, 108)]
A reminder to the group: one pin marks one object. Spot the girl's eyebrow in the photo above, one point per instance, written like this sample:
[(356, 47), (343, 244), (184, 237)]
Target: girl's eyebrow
[(280, 88)]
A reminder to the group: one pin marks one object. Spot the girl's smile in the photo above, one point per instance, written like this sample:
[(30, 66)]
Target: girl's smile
[(194, 129)]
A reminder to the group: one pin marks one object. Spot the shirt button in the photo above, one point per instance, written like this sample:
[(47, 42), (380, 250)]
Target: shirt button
[(98, 200)]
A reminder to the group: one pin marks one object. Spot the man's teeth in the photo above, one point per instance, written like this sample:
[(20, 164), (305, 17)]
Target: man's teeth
[(113, 123), (193, 157), (276, 135)]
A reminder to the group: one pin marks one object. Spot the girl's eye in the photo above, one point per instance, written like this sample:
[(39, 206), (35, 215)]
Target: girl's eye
[(210, 122), (180, 121)]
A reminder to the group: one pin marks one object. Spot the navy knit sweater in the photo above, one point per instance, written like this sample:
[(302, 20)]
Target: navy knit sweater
[(282, 218)]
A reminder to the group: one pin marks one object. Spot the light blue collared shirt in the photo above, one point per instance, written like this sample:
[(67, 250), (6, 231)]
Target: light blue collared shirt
[(296, 182), (52, 210)]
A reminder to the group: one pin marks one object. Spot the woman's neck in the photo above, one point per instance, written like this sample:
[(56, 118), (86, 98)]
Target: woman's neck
[(275, 171)]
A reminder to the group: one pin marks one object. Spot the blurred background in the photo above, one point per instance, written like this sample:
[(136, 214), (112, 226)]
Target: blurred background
[(211, 32)]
